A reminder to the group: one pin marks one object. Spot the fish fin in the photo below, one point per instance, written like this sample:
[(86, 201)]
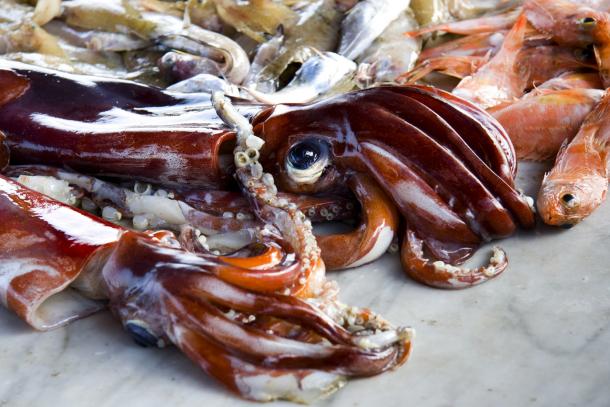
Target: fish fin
[(516, 36), (601, 113), (561, 151)]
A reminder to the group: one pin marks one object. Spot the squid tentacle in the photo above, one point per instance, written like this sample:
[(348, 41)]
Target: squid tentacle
[(260, 188), (444, 170), (433, 123), (481, 132), (256, 382), (421, 205), (146, 209), (164, 294), (441, 275), (269, 350), (371, 238), (317, 208)]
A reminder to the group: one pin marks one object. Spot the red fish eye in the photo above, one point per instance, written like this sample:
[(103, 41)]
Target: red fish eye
[(588, 22)]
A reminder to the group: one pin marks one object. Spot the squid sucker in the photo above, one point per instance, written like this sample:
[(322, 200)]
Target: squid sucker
[(222, 260)]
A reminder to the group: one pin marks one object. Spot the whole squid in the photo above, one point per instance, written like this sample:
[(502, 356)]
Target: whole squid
[(329, 148)]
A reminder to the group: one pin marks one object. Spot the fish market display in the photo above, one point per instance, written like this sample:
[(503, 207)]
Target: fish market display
[(172, 160), (545, 84)]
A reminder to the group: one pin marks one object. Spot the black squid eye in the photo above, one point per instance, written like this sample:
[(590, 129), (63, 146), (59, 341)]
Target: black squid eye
[(305, 154), (307, 160)]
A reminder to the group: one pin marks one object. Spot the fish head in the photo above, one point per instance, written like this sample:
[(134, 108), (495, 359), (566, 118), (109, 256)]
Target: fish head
[(566, 201)]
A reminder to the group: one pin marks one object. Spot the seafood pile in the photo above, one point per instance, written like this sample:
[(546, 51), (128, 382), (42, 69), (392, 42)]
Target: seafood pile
[(172, 160), (541, 69)]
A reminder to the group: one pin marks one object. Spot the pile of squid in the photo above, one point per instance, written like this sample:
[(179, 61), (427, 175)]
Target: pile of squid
[(542, 70), (172, 160), (190, 216)]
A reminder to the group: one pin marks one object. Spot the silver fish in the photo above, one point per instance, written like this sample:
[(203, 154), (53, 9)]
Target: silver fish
[(205, 83), (391, 54), (365, 22), (322, 74)]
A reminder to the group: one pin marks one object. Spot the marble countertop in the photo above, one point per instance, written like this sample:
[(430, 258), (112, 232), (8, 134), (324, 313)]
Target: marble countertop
[(539, 335)]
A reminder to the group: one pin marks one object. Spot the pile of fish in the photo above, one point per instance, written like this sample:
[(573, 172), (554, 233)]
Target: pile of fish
[(268, 50), (541, 69)]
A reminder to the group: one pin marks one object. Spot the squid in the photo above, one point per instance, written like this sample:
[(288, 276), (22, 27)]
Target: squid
[(190, 217), (417, 162), (59, 263), (440, 162)]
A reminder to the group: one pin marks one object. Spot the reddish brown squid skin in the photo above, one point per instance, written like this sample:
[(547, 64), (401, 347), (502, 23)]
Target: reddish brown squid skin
[(379, 216), (163, 294), (447, 165), (44, 247), (74, 121)]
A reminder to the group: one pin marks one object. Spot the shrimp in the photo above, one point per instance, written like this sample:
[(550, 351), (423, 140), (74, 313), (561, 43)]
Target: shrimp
[(471, 45), (578, 182), (455, 66), (538, 125), (499, 80), (503, 21)]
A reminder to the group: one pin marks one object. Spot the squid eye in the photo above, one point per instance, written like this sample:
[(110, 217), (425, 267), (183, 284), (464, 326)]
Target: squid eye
[(307, 160)]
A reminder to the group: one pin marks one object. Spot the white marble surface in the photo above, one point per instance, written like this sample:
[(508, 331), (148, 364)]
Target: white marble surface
[(539, 335)]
